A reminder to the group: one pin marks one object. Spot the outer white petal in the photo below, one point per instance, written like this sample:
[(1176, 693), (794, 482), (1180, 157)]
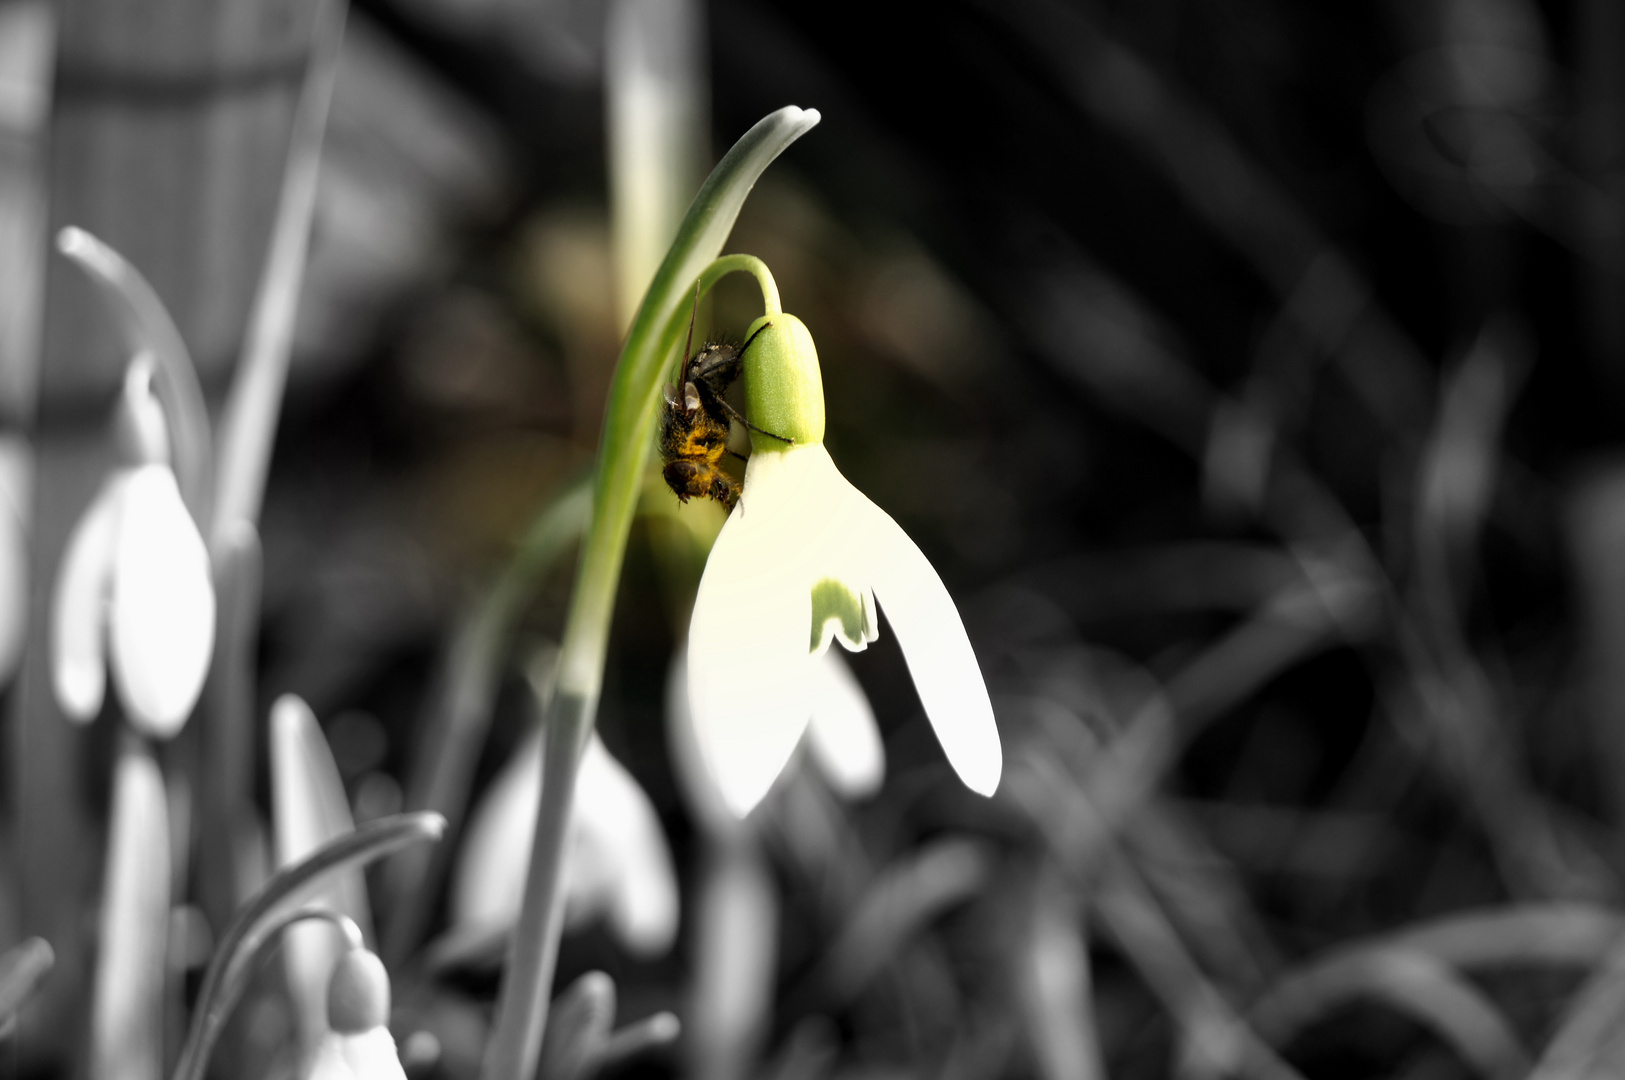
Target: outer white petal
[(372, 1055), (748, 662), (693, 776), (939, 655), (162, 618), (329, 1062), (79, 607), (842, 736), (619, 820)]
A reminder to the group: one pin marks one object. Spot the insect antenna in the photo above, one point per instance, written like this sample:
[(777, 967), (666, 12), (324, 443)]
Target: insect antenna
[(737, 415), (692, 312), (752, 338)]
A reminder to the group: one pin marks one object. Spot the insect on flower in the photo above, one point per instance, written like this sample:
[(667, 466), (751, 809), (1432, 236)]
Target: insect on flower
[(694, 422)]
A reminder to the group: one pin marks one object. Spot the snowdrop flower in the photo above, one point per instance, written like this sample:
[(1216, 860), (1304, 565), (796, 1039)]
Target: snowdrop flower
[(358, 1045), (134, 591), (618, 863), (802, 562)]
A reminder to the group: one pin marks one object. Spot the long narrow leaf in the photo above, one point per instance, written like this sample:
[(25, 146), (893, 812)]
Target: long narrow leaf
[(249, 421)]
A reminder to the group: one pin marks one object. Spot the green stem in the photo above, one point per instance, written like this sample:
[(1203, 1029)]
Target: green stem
[(622, 453), (748, 264)]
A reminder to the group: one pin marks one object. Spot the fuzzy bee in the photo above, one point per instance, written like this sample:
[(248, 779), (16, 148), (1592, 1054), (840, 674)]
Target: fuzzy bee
[(694, 424)]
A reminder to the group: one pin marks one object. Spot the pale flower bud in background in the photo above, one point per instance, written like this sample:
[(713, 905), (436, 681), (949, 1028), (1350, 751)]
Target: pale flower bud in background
[(134, 592), (618, 863)]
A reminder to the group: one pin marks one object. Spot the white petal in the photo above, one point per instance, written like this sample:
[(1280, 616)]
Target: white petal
[(842, 736), (748, 659), (79, 607), (329, 1062), (618, 819), (372, 1056), (688, 766), (162, 616), (939, 656)]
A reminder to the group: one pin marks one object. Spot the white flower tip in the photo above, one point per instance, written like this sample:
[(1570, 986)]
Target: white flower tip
[(941, 661), (982, 774), (80, 684), (744, 759), (741, 794), (971, 740)]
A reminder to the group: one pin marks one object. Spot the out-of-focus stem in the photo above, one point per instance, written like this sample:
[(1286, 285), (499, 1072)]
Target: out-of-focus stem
[(622, 453), (655, 110), (248, 423)]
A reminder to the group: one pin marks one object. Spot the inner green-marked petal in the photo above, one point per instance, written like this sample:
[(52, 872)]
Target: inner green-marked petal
[(832, 599)]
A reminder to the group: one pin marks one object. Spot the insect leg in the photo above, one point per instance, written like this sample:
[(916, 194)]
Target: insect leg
[(737, 415)]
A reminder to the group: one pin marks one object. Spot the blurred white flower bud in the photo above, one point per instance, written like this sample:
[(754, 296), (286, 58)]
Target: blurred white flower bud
[(135, 583)]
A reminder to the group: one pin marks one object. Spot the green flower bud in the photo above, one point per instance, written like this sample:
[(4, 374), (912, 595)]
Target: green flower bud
[(358, 995), (784, 389)]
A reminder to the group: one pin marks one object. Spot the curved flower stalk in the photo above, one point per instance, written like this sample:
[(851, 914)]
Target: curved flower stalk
[(618, 863), (803, 561), (134, 593), (150, 334)]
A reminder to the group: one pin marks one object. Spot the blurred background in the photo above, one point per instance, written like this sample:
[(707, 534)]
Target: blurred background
[(1250, 370)]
